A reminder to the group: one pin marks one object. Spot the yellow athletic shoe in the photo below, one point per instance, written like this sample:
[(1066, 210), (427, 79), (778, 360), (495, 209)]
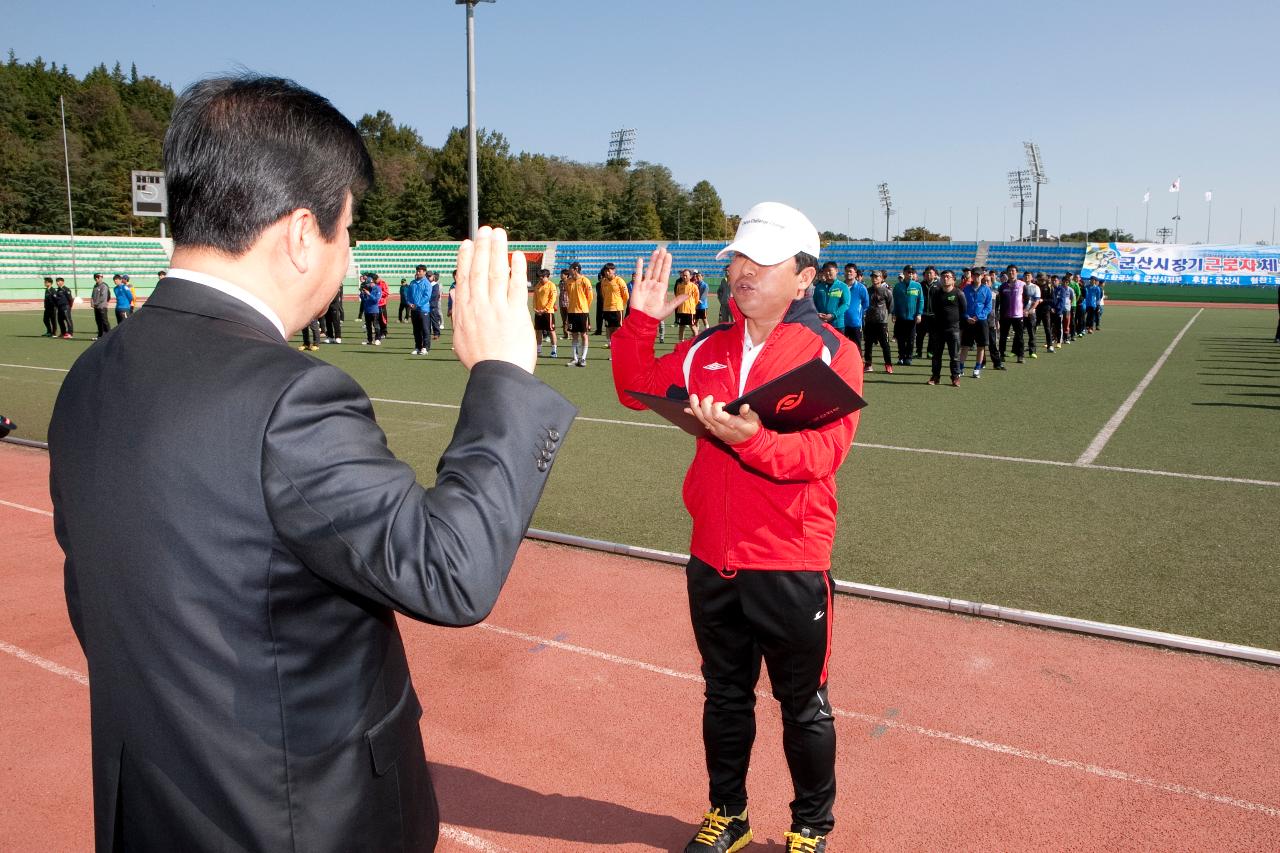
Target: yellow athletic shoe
[(805, 841), (721, 833)]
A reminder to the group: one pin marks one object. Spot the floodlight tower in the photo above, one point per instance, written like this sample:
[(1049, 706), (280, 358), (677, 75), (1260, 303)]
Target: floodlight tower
[(1036, 167), (1020, 192), (621, 144), (886, 202), (473, 184)]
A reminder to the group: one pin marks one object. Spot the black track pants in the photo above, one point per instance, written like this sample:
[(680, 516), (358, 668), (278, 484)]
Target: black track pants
[(783, 618)]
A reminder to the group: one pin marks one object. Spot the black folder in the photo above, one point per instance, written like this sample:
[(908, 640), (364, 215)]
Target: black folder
[(808, 397)]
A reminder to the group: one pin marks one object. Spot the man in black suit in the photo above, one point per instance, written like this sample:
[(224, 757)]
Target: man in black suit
[(248, 685)]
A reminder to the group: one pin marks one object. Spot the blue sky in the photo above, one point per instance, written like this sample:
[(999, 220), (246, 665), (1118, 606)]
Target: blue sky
[(810, 103)]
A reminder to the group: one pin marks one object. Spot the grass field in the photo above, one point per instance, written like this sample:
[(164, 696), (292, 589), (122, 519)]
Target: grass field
[(1191, 556)]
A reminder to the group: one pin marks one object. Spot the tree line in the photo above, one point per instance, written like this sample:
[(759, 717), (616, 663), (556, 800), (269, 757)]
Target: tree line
[(116, 122)]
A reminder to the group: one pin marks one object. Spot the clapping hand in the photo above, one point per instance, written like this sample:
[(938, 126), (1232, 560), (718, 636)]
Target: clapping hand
[(649, 294), (490, 304)]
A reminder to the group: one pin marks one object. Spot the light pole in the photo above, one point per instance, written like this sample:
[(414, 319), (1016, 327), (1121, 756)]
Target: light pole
[(886, 202), (1036, 167), (473, 182)]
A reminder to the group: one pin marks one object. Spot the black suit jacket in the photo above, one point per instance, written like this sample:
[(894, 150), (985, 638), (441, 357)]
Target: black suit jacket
[(238, 538)]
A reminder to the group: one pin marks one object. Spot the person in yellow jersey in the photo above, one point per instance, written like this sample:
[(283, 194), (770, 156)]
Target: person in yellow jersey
[(613, 299), (684, 313), (578, 287), (545, 299)]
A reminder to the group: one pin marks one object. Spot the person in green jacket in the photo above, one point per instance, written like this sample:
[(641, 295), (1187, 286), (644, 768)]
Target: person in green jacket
[(908, 311), (831, 296)]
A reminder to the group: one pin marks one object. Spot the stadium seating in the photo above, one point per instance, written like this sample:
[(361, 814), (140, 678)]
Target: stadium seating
[(1050, 258), (394, 260), (26, 259)]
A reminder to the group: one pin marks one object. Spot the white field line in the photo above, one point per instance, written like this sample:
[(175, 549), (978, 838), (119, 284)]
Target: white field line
[(27, 508), (452, 833), (872, 446), (884, 722), (921, 731), (33, 367), (1104, 435)]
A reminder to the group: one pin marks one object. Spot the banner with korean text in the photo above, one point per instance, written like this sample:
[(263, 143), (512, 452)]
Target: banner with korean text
[(1160, 263)]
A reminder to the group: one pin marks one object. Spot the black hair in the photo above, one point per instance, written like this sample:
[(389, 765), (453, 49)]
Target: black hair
[(804, 261), (931, 267), (830, 265), (945, 273), (575, 266), (242, 152), (48, 279), (422, 267), (61, 279)]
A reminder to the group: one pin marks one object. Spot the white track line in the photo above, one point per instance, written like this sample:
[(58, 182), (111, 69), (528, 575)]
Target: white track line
[(475, 842), (43, 663), (470, 840), (448, 831), (1104, 435), (890, 723), (27, 508)]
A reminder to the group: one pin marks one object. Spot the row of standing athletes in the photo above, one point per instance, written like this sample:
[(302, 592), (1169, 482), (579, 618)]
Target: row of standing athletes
[(989, 308), (575, 294)]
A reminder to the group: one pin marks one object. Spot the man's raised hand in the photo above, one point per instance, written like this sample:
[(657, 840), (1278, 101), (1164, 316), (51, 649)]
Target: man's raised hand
[(649, 294), (490, 304)]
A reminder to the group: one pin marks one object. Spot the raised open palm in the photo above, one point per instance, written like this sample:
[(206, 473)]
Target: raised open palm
[(649, 291)]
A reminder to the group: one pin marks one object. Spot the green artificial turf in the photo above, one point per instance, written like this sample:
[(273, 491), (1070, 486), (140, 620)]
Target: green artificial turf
[(1189, 556)]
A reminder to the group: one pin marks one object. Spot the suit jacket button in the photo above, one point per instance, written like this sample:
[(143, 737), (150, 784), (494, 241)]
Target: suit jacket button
[(543, 465), (554, 435)]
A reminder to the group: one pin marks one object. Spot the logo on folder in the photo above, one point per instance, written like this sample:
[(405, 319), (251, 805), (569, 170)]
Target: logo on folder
[(788, 402)]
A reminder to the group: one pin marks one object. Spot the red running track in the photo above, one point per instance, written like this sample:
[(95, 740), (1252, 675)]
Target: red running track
[(570, 720)]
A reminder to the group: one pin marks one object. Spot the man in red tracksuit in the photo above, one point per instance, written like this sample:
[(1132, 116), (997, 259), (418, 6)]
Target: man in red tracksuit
[(763, 505)]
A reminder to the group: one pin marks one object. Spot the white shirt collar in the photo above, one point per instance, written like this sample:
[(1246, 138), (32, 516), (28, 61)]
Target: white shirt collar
[(235, 291)]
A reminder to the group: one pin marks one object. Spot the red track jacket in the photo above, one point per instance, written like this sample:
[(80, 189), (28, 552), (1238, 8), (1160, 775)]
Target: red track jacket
[(769, 502)]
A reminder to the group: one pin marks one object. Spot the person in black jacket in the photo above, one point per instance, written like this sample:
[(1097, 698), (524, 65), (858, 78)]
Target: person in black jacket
[(63, 299), (248, 685), (50, 308), (948, 311)]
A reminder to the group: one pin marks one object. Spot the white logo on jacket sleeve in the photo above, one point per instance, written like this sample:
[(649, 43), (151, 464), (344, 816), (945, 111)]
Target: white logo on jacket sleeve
[(715, 365)]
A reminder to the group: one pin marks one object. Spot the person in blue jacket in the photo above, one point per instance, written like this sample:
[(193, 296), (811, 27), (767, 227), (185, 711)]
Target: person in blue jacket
[(370, 295), (978, 302), (831, 297), (859, 301), (1092, 297), (908, 313)]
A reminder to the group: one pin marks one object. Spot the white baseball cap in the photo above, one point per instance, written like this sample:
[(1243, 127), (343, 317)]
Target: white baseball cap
[(771, 232)]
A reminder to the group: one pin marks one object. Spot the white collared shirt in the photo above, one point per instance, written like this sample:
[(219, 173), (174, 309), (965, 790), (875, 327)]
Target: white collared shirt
[(235, 291), (749, 352)]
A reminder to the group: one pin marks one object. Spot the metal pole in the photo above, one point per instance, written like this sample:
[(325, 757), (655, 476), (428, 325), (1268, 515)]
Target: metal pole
[(1240, 239), (71, 220), (1146, 220), (1208, 229), (1177, 215), (473, 181), (1038, 212)]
